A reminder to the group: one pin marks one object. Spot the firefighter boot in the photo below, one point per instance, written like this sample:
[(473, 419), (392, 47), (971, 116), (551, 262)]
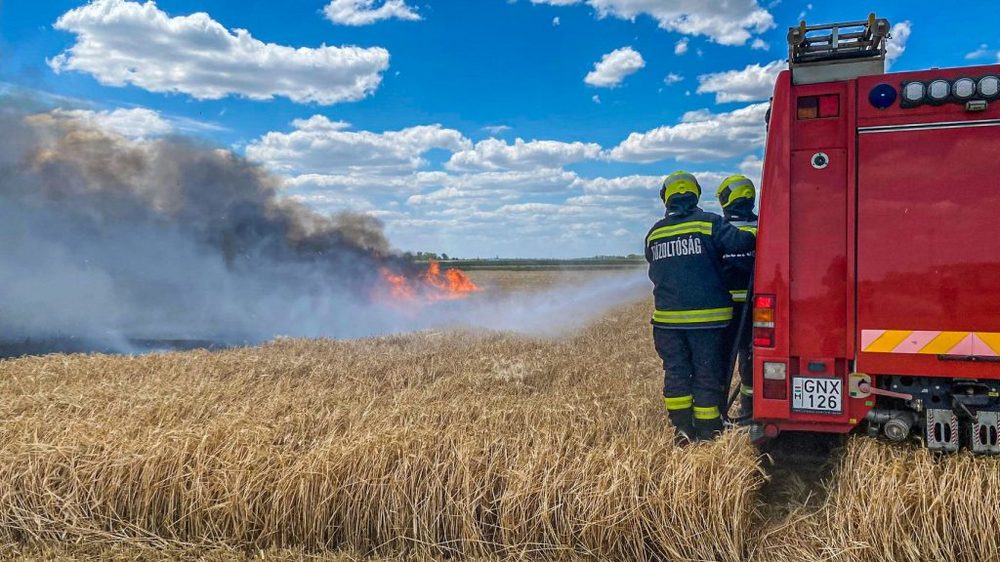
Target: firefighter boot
[(707, 430), (683, 422)]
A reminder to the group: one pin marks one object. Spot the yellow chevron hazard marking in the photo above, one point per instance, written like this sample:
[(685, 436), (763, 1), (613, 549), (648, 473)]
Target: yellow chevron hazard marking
[(990, 339), (888, 341), (944, 343), (924, 342)]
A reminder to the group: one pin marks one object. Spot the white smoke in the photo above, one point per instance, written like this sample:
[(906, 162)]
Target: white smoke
[(565, 307)]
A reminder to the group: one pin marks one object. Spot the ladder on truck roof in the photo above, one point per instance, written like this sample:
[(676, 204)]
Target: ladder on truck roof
[(837, 51)]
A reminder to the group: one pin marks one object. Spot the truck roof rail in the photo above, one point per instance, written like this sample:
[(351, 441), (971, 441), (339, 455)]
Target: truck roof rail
[(837, 51)]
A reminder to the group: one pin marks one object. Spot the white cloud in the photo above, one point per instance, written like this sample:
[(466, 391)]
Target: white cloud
[(681, 46), (364, 12), (544, 210), (982, 52), (728, 22), (496, 186), (134, 123), (365, 181), (495, 154), (700, 136), (752, 167), (596, 99), (760, 45), (452, 196), (625, 186), (644, 188), (802, 14), (614, 67), (536, 206), (895, 47), (333, 201), (121, 42), (496, 129), (318, 145), (555, 21), (753, 83), (672, 78)]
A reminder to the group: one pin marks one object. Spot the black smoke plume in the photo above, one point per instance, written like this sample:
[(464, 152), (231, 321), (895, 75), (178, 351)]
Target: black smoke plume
[(109, 239)]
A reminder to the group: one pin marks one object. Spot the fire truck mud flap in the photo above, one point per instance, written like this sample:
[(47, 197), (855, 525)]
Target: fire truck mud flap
[(984, 431), (942, 431)]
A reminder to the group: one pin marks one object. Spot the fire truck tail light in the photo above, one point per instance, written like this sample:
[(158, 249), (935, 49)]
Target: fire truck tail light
[(775, 381), (813, 107), (829, 106), (775, 390), (763, 320), (775, 371), (764, 301), (763, 337)]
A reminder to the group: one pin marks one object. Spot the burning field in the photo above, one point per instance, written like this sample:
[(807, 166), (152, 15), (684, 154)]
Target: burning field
[(431, 285), (377, 407), (439, 444), (127, 245)]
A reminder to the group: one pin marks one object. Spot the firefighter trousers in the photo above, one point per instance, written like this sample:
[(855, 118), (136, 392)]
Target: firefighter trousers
[(744, 355), (693, 369)]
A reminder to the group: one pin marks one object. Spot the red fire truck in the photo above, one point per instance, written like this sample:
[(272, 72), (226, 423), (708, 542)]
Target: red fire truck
[(877, 284)]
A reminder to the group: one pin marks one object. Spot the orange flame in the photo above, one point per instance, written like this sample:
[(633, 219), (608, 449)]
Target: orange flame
[(431, 285)]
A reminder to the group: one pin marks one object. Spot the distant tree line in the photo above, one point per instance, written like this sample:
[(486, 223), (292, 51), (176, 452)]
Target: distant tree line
[(432, 256), (428, 256)]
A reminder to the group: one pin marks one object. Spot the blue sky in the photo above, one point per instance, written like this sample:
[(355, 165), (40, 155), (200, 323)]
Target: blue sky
[(411, 110)]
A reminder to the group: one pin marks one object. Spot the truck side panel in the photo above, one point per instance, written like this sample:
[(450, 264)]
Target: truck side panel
[(771, 273), (928, 259), (928, 275)]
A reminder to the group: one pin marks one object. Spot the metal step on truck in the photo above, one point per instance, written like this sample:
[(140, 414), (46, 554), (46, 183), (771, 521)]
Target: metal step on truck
[(877, 283)]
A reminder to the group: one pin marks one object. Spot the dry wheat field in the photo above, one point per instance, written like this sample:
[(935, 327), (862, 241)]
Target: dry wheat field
[(438, 445)]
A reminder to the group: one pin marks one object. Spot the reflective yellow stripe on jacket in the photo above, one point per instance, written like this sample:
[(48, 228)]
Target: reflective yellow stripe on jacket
[(691, 227), (748, 228), (699, 316), (739, 296)]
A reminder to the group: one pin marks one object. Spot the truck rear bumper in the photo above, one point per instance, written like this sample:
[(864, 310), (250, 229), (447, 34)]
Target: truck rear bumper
[(772, 428)]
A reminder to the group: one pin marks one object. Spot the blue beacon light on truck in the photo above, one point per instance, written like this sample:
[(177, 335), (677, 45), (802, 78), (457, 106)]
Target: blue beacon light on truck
[(882, 96)]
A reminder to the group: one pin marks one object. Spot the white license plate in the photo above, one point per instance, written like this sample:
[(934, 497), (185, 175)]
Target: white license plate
[(823, 395)]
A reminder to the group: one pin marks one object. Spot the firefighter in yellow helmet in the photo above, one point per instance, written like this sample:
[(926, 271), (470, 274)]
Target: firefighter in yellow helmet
[(737, 196), (692, 305)]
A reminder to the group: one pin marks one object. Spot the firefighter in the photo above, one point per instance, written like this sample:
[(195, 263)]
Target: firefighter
[(692, 305), (737, 194)]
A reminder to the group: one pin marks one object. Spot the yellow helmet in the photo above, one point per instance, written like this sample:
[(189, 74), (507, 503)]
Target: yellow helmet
[(677, 183), (735, 188)]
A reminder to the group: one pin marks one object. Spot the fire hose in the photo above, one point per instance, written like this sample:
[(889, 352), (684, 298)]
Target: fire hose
[(744, 324)]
